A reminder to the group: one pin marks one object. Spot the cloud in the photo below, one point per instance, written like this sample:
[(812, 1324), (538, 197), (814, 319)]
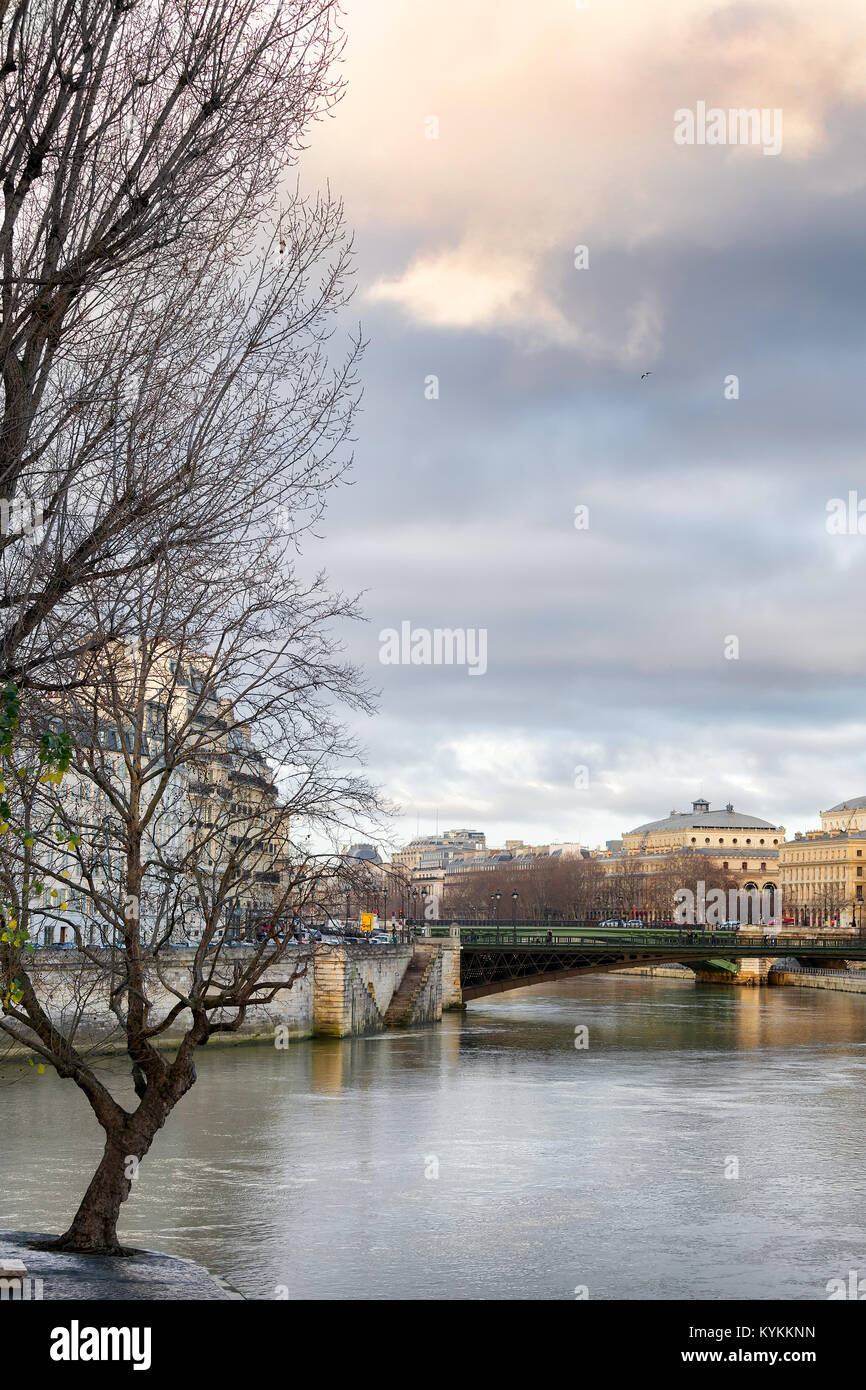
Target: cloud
[(707, 514), (467, 288)]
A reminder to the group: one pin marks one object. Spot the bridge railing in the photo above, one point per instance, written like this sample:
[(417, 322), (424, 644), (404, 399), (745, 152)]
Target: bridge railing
[(540, 936)]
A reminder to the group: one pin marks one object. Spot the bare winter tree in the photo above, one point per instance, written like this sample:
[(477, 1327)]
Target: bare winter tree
[(548, 889), (163, 318), (679, 870), (173, 823), (171, 425)]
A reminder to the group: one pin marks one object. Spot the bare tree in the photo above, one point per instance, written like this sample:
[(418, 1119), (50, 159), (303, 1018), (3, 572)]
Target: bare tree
[(172, 413), (547, 889), (174, 822), (162, 318)]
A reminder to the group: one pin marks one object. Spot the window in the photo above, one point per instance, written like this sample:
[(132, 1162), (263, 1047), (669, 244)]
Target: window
[(744, 865)]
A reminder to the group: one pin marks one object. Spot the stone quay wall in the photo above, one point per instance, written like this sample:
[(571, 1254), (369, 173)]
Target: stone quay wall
[(342, 991)]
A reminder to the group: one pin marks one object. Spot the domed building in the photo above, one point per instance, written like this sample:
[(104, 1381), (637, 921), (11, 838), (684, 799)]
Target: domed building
[(822, 872), (847, 816), (702, 828), (741, 847)]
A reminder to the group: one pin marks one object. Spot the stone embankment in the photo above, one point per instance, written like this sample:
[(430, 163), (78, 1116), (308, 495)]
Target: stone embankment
[(339, 991), (29, 1274), (845, 981)]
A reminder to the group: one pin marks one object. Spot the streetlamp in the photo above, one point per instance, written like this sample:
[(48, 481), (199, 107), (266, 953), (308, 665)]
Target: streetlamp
[(514, 896), (494, 898)]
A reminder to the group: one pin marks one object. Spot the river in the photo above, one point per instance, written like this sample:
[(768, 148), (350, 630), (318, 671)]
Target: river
[(491, 1158)]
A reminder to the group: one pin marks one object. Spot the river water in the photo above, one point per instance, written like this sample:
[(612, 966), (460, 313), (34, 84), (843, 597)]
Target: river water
[(491, 1158)]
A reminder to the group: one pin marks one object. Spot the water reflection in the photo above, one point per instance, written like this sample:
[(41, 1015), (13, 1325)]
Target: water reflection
[(314, 1168)]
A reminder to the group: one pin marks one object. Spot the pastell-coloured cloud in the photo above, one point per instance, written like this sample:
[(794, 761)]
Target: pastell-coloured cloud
[(468, 288), (556, 123)]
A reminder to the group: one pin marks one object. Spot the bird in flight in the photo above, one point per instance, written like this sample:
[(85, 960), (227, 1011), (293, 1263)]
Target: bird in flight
[(643, 374)]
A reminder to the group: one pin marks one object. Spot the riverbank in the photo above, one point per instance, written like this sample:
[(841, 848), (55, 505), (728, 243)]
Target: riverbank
[(340, 991), (802, 979), (145, 1275)]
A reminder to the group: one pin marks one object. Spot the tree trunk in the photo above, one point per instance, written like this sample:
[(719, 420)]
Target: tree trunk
[(94, 1227)]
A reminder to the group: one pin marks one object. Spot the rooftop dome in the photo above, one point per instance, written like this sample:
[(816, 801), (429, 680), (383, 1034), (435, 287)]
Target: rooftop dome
[(700, 817), (368, 852), (854, 803)]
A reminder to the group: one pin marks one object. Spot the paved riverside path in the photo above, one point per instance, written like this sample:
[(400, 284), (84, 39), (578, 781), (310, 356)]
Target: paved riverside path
[(146, 1275)]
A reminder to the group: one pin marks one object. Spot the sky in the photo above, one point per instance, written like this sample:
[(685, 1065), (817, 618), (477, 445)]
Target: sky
[(479, 143)]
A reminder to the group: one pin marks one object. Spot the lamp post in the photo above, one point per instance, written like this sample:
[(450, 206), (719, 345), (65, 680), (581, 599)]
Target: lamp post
[(494, 898), (514, 896), (369, 887)]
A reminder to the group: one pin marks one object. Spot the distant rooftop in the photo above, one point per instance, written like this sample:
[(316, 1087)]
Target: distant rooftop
[(366, 852), (855, 803), (700, 817)]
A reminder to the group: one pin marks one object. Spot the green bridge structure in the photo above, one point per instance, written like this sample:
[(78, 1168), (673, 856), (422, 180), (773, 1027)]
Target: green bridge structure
[(498, 957)]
